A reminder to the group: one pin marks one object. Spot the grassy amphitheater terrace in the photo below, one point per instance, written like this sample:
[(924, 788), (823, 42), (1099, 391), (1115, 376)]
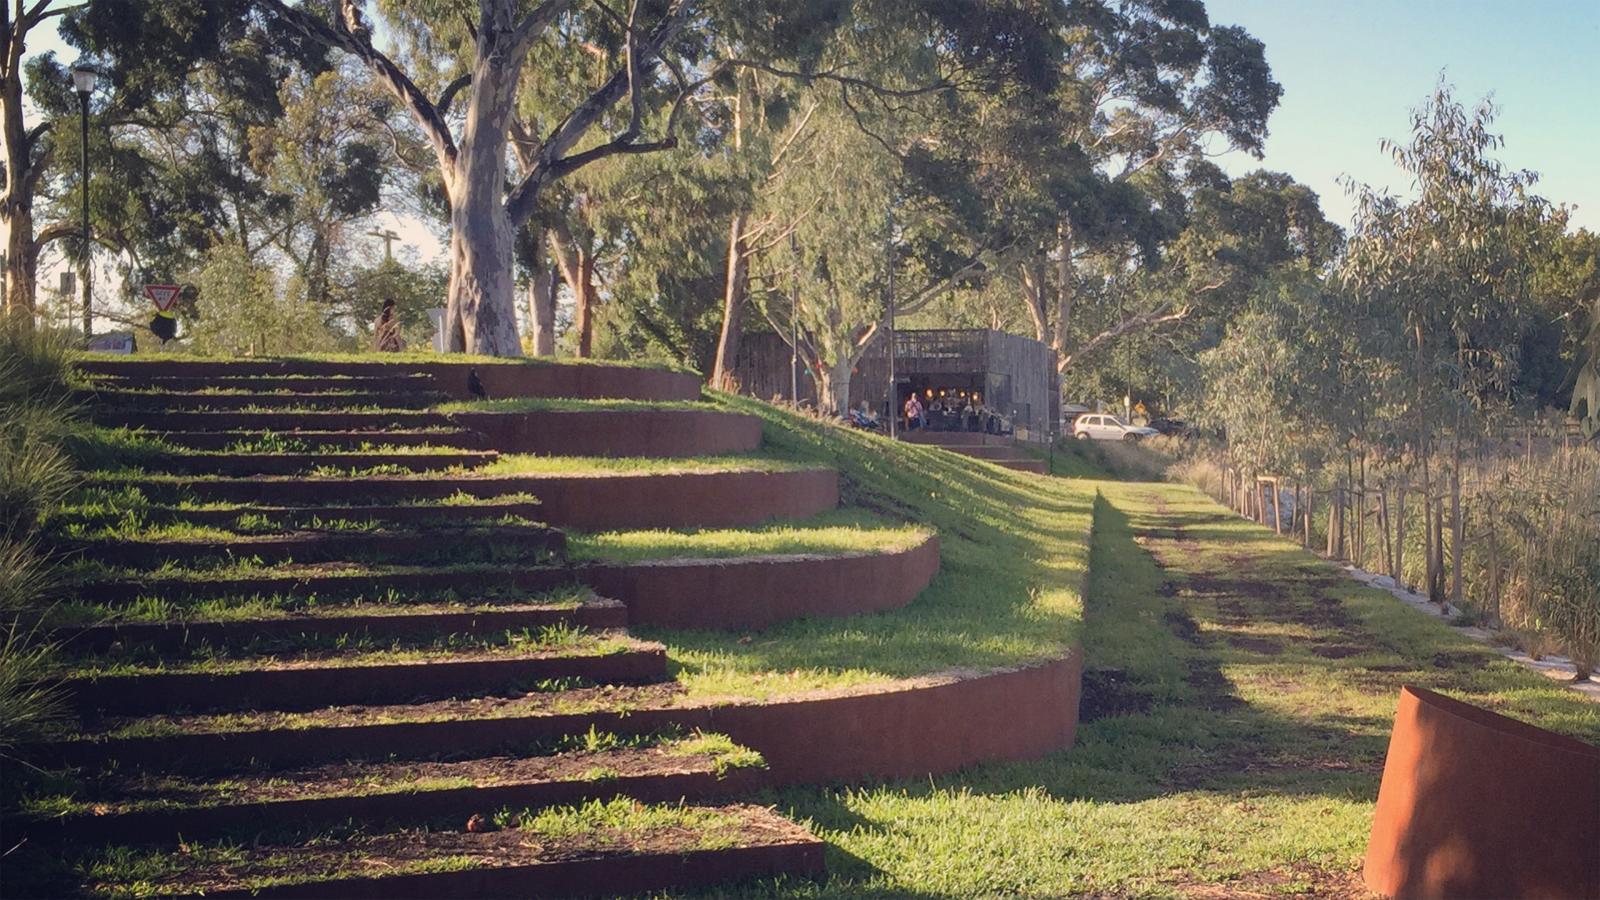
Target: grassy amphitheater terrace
[(820, 665)]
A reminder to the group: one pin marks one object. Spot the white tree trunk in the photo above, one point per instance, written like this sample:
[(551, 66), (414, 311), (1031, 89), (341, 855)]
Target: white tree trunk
[(735, 281), (833, 387), (482, 313), (481, 316), (542, 313)]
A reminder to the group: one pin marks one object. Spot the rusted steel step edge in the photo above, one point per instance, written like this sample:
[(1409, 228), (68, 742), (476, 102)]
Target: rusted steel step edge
[(531, 379), (308, 687), (288, 463), (318, 546), (598, 613), (794, 853), (298, 383), (220, 751), (276, 420), (397, 514), (180, 401), (464, 582), (167, 825), (451, 439)]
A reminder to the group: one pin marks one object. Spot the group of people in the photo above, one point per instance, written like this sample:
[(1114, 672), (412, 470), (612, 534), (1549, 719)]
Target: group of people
[(960, 414)]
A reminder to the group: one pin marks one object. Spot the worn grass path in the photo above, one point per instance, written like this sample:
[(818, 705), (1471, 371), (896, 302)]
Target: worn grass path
[(1237, 706)]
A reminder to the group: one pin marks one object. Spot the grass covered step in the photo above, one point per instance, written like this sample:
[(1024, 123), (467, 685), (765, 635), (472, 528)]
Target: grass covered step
[(320, 677), (388, 384), (588, 494), (451, 511), (154, 809), (272, 420), (211, 742), (228, 401), (457, 438), (503, 377), (237, 464), (599, 848), (534, 570), (355, 623), (839, 564), (361, 540), (609, 429)]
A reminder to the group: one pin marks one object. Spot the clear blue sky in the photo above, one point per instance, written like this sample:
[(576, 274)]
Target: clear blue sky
[(1352, 71)]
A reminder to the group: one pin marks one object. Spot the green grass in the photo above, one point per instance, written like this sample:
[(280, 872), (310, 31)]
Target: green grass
[(529, 464), (836, 532), (1013, 548), (561, 404), (168, 607), (1270, 792), (340, 650)]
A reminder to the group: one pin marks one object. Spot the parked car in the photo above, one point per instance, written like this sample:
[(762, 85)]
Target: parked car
[(1104, 427)]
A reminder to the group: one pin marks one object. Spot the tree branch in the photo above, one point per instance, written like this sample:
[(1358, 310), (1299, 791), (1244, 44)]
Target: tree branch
[(449, 94), (552, 164), (338, 36)]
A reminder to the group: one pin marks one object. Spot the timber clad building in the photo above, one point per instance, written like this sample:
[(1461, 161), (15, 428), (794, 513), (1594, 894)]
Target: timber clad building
[(1014, 376)]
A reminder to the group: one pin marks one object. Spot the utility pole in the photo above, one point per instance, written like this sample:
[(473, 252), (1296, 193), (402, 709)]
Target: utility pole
[(888, 259), (794, 324), (388, 237)]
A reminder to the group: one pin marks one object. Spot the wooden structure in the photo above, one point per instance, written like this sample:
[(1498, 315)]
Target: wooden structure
[(1015, 376)]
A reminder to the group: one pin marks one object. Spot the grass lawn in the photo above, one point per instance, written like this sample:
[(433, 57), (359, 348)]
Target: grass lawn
[(1013, 554), (1237, 707), (834, 532)]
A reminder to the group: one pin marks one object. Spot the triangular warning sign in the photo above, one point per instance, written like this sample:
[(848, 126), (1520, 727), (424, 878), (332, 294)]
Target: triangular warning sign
[(164, 295)]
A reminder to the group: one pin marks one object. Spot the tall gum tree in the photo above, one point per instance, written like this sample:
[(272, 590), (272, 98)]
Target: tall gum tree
[(1144, 84), (472, 159), (26, 157)]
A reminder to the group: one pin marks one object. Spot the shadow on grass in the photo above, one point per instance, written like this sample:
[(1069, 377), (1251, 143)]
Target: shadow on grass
[(1234, 710)]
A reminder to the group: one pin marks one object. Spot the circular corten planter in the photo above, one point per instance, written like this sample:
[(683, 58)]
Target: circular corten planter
[(1474, 804)]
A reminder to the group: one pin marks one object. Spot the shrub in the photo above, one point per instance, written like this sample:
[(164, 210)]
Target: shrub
[(28, 705), (242, 311), (1554, 513)]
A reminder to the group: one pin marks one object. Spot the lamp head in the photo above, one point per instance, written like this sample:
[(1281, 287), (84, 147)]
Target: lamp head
[(83, 78)]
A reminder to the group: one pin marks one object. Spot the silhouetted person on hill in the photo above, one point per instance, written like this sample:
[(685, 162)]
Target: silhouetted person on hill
[(475, 386), (386, 333)]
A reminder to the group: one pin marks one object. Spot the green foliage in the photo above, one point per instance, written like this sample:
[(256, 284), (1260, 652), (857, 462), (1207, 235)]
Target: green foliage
[(414, 288), (240, 310), (1586, 390)]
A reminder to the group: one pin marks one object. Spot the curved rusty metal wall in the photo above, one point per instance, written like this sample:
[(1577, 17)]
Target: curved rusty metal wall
[(1474, 804), (754, 592), (617, 432)]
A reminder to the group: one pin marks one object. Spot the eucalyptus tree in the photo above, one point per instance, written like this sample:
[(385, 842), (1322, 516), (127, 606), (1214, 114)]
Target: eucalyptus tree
[(1144, 87), (26, 155), (1453, 266)]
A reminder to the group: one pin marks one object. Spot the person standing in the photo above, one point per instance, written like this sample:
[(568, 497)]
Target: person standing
[(386, 333)]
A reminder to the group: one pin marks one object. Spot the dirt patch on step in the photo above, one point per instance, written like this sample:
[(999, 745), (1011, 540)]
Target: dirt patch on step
[(1337, 651), (1265, 646), (1213, 691), (1299, 880), (1463, 659), (1109, 692), (1183, 626)]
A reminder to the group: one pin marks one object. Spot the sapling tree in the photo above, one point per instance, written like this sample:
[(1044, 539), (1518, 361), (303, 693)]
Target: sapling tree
[(1452, 266)]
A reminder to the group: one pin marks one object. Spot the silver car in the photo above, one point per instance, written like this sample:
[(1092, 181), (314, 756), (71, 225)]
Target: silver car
[(1104, 427)]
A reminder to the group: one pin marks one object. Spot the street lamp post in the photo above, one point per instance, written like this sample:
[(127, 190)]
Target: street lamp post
[(83, 79)]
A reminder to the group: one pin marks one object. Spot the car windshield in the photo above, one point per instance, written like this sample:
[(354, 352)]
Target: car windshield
[(1116, 420)]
